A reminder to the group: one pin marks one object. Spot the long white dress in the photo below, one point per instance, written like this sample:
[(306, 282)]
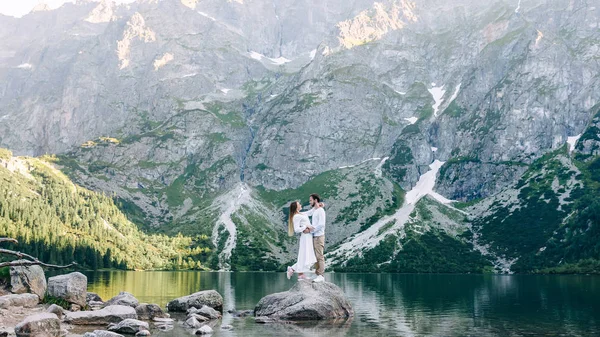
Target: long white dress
[(306, 253)]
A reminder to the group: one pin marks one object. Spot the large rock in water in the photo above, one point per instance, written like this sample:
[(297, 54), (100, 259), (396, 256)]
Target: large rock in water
[(40, 325), (111, 314), (28, 279), (129, 326), (70, 287), (306, 301), (150, 311), (19, 300), (210, 298)]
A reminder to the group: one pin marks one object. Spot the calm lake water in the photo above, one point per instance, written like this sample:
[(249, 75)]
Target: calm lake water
[(389, 304)]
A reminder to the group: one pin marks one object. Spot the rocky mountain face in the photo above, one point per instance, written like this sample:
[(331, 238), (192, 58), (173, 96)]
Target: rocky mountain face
[(208, 117)]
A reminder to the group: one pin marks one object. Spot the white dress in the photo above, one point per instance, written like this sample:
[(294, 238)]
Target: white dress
[(306, 252)]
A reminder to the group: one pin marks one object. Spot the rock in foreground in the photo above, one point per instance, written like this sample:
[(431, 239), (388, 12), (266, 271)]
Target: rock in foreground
[(28, 279), (70, 287), (129, 326), (110, 314), (124, 298), (306, 301), (19, 300), (209, 298), (40, 325)]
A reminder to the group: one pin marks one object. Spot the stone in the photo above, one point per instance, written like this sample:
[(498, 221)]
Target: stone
[(102, 333), (75, 307), (150, 311), (306, 301), (129, 326), (205, 330), (3, 333), (226, 327), (40, 325), (19, 300), (92, 297), (143, 333), (124, 298), (69, 287), (28, 279), (192, 322), (57, 310), (110, 314), (208, 312), (264, 320), (200, 318), (210, 298), (95, 305)]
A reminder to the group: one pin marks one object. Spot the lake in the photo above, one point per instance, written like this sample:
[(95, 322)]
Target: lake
[(388, 304)]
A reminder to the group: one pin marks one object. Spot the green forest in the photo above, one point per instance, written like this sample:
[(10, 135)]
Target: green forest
[(58, 222)]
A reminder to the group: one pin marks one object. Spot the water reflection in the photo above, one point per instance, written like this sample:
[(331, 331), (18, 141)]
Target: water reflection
[(392, 305)]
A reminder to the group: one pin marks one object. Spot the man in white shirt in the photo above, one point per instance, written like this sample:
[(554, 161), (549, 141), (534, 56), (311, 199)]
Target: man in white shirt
[(318, 222)]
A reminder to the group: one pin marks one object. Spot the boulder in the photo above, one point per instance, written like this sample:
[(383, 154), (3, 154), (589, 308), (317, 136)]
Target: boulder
[(264, 320), (210, 298), (28, 279), (205, 330), (110, 314), (208, 312), (124, 298), (192, 322), (150, 311), (102, 333), (200, 318), (306, 301), (57, 310), (226, 327), (92, 297), (95, 305), (242, 313), (3, 333), (19, 300), (143, 333), (39, 325), (70, 287), (129, 326)]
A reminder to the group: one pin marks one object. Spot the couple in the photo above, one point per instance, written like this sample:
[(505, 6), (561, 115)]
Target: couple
[(312, 239)]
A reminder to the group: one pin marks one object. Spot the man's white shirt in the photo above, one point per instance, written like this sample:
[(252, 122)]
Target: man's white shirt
[(318, 220)]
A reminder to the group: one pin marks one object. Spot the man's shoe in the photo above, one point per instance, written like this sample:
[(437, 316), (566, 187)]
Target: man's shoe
[(290, 272), (319, 279)]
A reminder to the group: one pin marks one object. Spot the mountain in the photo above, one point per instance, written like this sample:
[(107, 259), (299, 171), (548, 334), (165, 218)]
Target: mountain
[(60, 222), (429, 127)]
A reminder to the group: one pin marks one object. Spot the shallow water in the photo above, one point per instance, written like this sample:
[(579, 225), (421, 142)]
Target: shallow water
[(389, 304)]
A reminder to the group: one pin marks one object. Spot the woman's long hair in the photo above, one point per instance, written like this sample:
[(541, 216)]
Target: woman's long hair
[(293, 211)]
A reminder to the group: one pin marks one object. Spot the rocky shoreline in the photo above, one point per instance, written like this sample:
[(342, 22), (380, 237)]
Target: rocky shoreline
[(26, 309)]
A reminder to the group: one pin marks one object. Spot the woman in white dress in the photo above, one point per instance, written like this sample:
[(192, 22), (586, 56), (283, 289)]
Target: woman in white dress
[(298, 223)]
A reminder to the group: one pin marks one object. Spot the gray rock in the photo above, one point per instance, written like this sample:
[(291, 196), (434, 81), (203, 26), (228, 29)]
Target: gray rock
[(200, 318), (143, 333), (89, 297), (102, 333), (39, 325), (70, 287), (129, 326), (193, 322), (3, 333), (226, 327), (150, 311), (205, 330), (209, 298), (94, 305), (264, 320), (124, 298), (57, 310), (19, 300), (306, 301), (28, 279), (110, 314), (208, 312), (163, 320)]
